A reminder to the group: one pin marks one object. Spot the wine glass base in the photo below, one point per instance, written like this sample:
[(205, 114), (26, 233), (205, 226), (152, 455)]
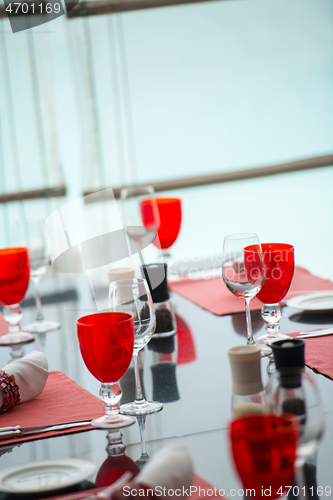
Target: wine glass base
[(144, 408), (141, 462), (20, 337), (265, 350), (114, 422), (42, 326), (269, 339)]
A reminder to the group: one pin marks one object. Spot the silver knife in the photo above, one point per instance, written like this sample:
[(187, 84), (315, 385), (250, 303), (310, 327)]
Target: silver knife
[(23, 431), (317, 330), (318, 333)]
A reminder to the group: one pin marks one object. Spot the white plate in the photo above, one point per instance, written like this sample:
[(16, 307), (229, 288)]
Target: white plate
[(317, 301), (45, 475)]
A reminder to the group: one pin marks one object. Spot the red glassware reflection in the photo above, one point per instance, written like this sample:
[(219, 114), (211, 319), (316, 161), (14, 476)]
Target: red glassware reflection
[(170, 219), (264, 451), (14, 275), (280, 265), (186, 345), (106, 344), (113, 468)]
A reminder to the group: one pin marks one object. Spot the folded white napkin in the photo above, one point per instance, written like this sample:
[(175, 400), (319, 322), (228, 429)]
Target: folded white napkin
[(30, 373), (170, 468)]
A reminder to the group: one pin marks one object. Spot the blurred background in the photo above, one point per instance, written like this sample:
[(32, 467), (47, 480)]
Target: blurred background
[(170, 94)]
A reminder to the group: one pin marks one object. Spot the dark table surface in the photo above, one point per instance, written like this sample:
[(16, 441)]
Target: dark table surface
[(196, 393)]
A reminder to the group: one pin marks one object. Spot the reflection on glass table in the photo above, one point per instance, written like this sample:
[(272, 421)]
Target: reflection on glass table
[(31, 234), (117, 462)]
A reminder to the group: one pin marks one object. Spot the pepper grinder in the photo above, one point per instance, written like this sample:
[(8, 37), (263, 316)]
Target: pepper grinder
[(297, 394), (248, 395), (156, 277)]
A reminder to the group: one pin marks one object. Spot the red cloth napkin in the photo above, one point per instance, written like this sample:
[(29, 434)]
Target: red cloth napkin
[(213, 295), (62, 400), (318, 354)]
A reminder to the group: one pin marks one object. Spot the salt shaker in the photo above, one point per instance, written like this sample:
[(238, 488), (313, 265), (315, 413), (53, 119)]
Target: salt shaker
[(248, 395)]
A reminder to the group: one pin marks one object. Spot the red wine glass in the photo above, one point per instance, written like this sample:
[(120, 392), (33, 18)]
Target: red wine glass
[(243, 272), (280, 265), (106, 343), (14, 281), (264, 452), (170, 212)]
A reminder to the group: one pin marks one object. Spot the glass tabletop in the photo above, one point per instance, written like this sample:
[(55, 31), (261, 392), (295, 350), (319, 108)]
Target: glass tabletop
[(188, 372)]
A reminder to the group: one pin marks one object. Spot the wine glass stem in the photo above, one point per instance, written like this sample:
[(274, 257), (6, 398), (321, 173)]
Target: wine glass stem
[(248, 322), (166, 253), (12, 315), (138, 389), (142, 427), (38, 299)]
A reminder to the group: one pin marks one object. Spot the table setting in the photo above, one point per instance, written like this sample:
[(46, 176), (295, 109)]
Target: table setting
[(150, 351)]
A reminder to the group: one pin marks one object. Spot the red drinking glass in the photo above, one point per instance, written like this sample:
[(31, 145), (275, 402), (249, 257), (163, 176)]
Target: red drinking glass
[(106, 343), (170, 212), (264, 451), (14, 281), (280, 265)]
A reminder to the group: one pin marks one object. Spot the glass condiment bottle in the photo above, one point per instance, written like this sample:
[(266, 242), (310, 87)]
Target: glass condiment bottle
[(298, 394), (156, 277), (248, 395)]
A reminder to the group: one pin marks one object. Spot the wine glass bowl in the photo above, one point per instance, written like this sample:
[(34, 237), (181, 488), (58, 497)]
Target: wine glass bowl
[(243, 272), (170, 214), (140, 226), (133, 296), (106, 343), (14, 278), (264, 452), (14, 282), (280, 265)]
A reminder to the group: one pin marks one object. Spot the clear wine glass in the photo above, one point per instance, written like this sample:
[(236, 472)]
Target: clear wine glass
[(133, 296), (142, 229), (106, 343), (243, 272), (14, 282), (31, 233)]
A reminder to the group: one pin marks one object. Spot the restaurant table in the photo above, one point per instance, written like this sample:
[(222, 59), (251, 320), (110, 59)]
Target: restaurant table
[(189, 373)]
